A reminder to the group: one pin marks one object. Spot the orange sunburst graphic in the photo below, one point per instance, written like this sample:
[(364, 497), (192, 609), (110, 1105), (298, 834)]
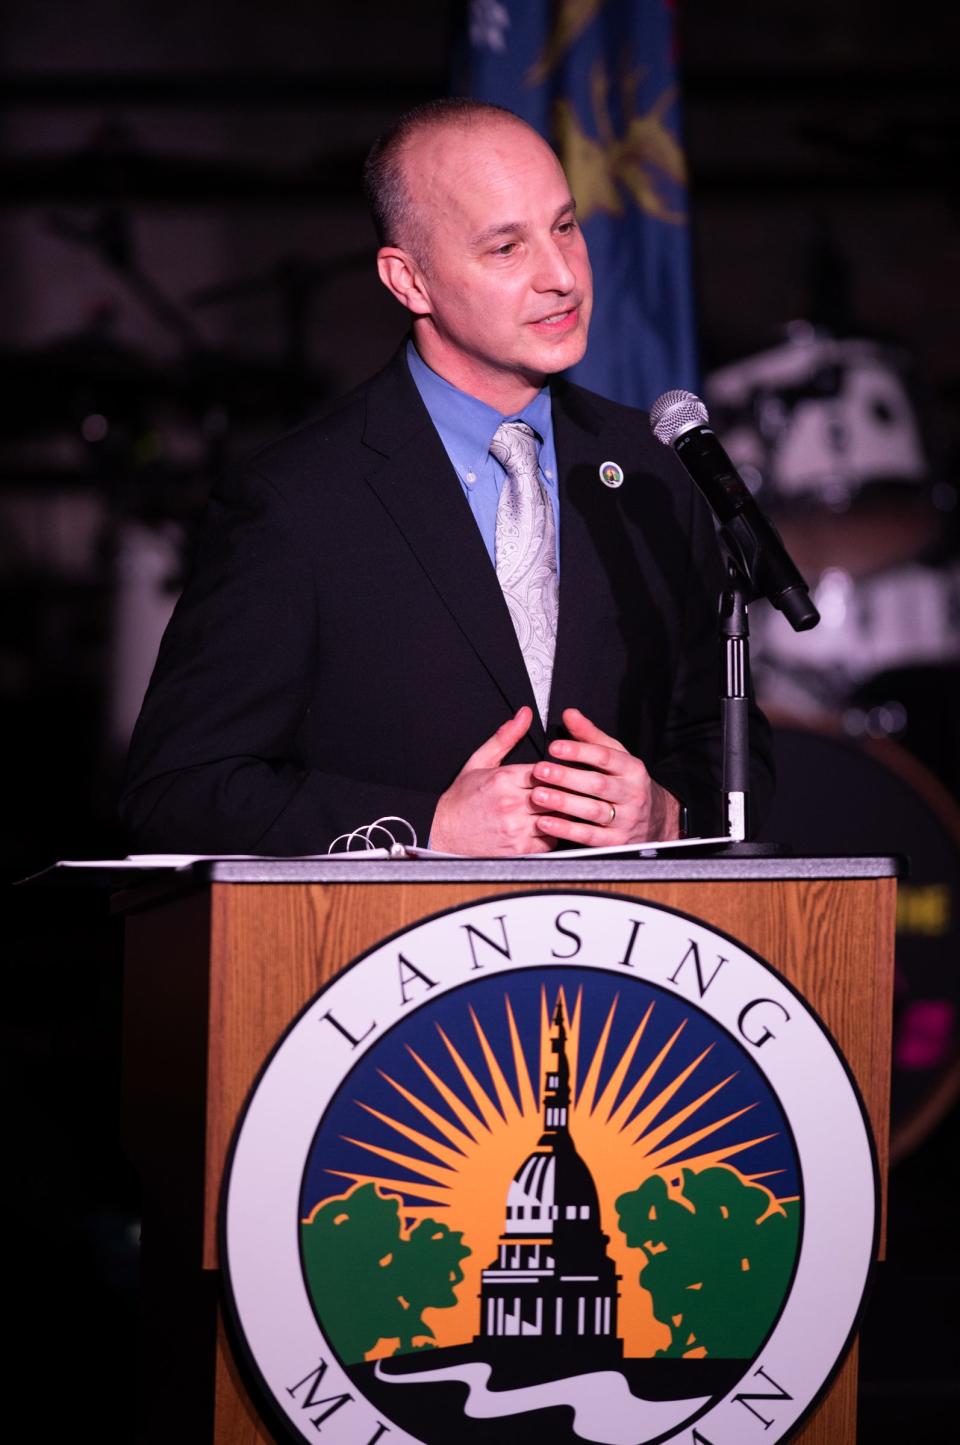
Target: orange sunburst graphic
[(462, 1169)]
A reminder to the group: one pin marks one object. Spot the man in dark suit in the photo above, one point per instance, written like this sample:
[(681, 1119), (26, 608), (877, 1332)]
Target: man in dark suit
[(344, 649)]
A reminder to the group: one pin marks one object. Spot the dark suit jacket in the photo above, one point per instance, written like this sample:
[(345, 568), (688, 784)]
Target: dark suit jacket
[(343, 644)]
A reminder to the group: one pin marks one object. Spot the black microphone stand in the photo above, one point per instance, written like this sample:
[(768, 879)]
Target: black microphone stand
[(735, 704), (734, 639)]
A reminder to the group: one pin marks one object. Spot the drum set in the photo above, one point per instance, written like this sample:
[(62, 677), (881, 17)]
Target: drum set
[(866, 708)]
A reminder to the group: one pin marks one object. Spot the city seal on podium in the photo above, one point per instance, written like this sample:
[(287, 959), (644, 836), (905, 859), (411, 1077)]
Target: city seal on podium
[(550, 1166)]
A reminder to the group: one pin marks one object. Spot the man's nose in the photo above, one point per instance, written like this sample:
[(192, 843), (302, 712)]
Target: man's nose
[(553, 271)]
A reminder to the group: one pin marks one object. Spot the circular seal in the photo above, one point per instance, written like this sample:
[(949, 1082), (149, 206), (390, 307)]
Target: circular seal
[(568, 1164), (611, 474)]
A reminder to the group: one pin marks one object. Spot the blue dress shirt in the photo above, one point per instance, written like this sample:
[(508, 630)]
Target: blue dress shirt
[(466, 427)]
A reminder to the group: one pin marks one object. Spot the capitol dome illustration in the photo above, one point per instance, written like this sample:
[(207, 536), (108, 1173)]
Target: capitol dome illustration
[(553, 1278)]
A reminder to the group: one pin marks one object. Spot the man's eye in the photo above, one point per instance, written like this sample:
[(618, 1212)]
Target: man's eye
[(566, 227), (506, 249)]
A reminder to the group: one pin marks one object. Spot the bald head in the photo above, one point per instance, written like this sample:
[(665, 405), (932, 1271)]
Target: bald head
[(482, 247), (390, 183)]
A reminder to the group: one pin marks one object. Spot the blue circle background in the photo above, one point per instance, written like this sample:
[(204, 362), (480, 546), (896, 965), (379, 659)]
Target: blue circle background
[(344, 1118)]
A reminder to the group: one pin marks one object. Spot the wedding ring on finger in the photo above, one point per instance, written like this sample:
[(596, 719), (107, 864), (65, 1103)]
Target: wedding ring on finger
[(613, 816)]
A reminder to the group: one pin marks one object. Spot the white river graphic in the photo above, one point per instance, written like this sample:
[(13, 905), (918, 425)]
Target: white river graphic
[(605, 1410)]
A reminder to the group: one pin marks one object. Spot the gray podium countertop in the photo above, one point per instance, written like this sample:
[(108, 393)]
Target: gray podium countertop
[(132, 887), (545, 870)]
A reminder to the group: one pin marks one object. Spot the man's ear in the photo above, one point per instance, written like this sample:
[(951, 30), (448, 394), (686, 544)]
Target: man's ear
[(403, 278)]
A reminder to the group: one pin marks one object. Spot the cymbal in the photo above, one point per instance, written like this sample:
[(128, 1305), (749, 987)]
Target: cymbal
[(881, 528)]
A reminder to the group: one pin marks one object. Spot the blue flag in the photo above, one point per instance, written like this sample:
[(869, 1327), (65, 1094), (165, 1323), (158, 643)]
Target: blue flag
[(597, 79)]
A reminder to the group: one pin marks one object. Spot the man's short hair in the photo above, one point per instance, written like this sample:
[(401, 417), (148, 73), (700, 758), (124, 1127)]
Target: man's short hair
[(392, 207)]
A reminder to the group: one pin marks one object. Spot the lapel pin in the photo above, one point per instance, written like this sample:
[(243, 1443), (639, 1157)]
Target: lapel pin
[(611, 475)]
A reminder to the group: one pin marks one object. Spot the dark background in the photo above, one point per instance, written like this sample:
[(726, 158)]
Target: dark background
[(186, 267)]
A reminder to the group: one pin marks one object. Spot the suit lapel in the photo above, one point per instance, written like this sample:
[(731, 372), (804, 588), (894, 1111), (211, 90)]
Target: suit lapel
[(576, 428), (615, 598), (411, 474)]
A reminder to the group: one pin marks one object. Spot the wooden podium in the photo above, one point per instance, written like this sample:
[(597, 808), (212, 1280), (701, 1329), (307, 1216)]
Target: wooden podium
[(219, 963)]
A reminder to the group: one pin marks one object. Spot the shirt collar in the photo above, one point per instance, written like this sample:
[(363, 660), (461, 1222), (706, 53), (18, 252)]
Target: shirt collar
[(466, 424)]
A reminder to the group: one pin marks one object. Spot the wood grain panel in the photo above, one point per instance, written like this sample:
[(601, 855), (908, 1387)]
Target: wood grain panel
[(272, 946), (834, 1421), (238, 1421), (832, 939)]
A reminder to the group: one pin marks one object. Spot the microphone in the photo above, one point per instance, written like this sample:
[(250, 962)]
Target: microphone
[(679, 420)]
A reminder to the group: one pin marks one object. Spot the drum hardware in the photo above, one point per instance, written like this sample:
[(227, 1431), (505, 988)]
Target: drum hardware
[(837, 794)]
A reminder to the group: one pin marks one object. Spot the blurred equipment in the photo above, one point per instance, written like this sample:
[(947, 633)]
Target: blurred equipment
[(826, 434), (818, 419), (874, 797), (108, 451)]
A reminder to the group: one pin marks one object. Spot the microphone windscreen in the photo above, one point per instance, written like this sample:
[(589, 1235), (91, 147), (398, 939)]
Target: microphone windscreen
[(675, 412)]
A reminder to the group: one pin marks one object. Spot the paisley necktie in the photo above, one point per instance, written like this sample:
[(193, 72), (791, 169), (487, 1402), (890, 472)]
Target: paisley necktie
[(526, 553)]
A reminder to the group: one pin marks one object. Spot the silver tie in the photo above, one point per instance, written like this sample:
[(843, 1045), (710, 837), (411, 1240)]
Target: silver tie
[(526, 552)]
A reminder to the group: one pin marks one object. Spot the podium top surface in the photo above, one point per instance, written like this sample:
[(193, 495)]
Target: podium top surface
[(554, 870), (129, 883), (541, 870)]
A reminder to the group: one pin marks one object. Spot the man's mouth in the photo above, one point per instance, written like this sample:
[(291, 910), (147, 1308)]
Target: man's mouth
[(558, 318)]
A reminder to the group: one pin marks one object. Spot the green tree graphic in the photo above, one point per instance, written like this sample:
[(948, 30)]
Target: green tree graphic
[(367, 1281), (428, 1271), (716, 1269)]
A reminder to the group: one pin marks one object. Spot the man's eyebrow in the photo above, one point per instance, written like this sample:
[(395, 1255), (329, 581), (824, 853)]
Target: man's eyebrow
[(510, 228), (504, 228)]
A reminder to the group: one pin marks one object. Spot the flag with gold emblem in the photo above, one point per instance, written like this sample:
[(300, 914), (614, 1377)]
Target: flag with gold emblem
[(597, 79)]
